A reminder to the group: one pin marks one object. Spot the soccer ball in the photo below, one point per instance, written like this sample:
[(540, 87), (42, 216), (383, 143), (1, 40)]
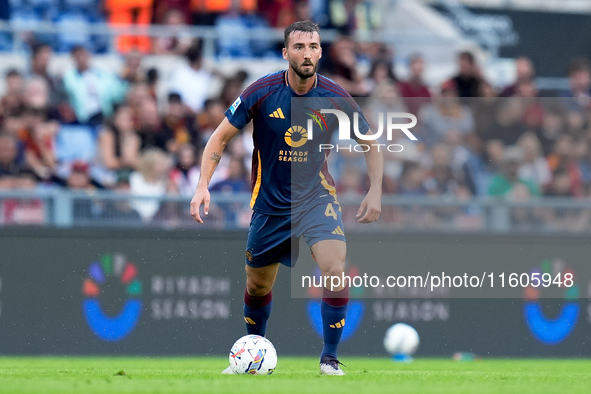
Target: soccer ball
[(401, 339), (253, 355)]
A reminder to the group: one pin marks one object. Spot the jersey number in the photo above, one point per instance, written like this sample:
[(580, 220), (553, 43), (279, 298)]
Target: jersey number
[(329, 211)]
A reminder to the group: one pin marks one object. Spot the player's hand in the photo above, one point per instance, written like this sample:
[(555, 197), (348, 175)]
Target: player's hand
[(201, 196), (370, 208)]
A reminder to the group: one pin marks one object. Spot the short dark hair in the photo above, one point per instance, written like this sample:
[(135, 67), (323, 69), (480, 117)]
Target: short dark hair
[(303, 26), (13, 72), (77, 48), (152, 75), (579, 64), (195, 51), (38, 47), (469, 56), (174, 98)]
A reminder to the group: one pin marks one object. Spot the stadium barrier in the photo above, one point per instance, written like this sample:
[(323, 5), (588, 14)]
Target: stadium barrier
[(64, 208), (151, 292)]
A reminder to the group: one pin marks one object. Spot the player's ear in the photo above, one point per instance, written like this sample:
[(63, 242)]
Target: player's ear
[(284, 52), (320, 57)]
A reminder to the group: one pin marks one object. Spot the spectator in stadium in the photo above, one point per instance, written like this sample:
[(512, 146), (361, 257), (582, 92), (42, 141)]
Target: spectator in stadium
[(563, 218), (180, 123), (415, 90), (171, 213), (151, 129), (12, 99), (185, 175), (179, 39), (384, 98), (232, 28), (468, 79), (232, 88), (342, 67), (9, 163), (151, 180), (441, 179), (41, 55), (120, 210), (135, 97), (132, 68), (508, 124), (236, 180), (445, 114), (381, 72), (212, 115), (411, 180), (562, 157), (484, 109), (25, 179), (534, 111), (578, 98), (560, 186), (582, 157), (37, 95), (524, 72), (6, 182), (92, 92), (191, 81), (12, 123), (79, 180), (162, 7), (534, 166), (350, 16), (118, 144), (38, 137), (506, 182), (279, 13), (152, 80), (302, 10)]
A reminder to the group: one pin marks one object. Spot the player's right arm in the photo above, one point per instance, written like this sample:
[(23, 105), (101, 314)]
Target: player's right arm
[(211, 158)]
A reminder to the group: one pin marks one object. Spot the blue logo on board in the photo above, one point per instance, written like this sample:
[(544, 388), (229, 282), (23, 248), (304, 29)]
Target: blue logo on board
[(112, 328)]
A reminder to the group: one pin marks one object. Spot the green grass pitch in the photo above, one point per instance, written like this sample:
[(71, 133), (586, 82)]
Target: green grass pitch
[(293, 375)]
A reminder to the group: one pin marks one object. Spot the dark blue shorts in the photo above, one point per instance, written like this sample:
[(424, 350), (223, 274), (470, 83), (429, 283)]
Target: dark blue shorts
[(275, 239)]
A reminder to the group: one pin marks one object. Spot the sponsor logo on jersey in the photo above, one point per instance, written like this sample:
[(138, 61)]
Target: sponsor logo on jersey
[(278, 114)]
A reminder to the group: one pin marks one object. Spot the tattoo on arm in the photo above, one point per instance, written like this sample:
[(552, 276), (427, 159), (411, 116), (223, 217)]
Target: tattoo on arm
[(216, 157)]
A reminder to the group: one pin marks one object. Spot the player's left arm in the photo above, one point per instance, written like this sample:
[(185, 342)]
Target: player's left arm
[(371, 206)]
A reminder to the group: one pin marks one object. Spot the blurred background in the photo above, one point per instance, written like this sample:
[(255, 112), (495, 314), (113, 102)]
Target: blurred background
[(106, 106)]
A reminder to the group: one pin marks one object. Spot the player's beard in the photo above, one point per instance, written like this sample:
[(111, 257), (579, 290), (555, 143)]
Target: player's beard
[(299, 70)]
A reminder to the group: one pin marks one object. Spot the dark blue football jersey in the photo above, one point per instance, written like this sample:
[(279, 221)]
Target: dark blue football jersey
[(289, 171)]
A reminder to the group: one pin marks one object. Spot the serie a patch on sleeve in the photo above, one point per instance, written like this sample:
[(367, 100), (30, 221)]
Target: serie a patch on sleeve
[(235, 105)]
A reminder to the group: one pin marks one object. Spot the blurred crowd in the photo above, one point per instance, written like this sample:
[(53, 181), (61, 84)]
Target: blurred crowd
[(91, 129), (233, 20)]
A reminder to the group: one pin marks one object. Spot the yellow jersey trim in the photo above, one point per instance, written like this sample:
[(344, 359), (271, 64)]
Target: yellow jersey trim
[(327, 186), (257, 185)]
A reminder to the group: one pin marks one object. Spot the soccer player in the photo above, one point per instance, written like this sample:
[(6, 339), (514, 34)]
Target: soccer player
[(283, 214)]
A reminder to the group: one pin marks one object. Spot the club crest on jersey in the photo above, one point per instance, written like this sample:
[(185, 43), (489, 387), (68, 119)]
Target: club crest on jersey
[(296, 136), (318, 117)]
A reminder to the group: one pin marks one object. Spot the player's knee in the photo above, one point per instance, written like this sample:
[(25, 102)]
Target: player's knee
[(336, 269), (258, 287)]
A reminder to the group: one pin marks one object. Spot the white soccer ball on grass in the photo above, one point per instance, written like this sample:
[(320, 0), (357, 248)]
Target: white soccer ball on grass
[(401, 340), (253, 355)]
